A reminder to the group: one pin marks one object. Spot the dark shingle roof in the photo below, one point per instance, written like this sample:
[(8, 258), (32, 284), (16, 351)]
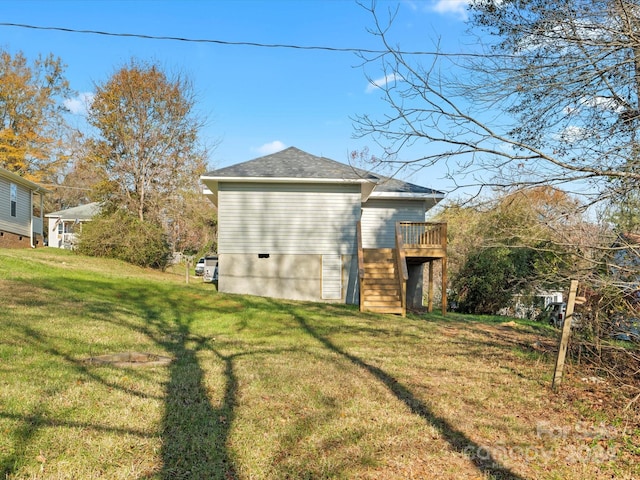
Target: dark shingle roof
[(294, 163), (291, 163)]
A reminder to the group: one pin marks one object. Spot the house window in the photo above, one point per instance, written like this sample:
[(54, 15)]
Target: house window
[(13, 193), (60, 228)]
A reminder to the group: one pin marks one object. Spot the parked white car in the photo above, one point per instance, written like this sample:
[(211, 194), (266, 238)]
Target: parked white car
[(200, 267)]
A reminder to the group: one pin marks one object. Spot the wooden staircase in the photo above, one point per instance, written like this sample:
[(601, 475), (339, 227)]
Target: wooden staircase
[(383, 273), (380, 285)]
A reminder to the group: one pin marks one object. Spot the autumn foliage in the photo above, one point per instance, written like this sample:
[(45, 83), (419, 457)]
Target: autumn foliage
[(148, 145), (32, 128)]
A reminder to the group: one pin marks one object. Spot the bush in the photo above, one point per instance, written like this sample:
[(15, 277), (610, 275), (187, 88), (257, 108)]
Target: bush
[(490, 277), (125, 237)]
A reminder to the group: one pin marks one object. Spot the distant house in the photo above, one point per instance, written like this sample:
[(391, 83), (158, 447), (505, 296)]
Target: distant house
[(298, 226), (64, 225), (21, 205)]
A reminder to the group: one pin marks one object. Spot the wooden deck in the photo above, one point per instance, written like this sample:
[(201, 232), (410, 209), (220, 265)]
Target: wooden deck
[(422, 241), (416, 243)]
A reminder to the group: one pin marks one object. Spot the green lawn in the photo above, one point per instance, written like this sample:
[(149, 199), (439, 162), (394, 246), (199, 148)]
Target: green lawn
[(266, 389)]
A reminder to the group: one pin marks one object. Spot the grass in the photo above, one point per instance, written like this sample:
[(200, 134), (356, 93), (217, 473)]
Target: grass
[(266, 389)]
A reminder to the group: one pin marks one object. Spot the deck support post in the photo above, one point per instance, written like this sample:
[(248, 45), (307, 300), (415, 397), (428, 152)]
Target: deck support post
[(444, 285), (430, 294)]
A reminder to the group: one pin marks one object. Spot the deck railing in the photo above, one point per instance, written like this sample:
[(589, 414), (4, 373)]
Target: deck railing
[(423, 234)]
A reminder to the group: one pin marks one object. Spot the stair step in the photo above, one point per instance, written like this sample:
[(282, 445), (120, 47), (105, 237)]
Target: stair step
[(380, 261), (381, 290), (372, 303), (380, 272), (383, 308), (388, 266), (377, 292), (380, 303), (372, 291), (385, 283), (378, 255), (389, 310), (380, 278)]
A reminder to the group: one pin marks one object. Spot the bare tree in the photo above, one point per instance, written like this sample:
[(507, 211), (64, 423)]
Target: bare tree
[(552, 98), (549, 96)]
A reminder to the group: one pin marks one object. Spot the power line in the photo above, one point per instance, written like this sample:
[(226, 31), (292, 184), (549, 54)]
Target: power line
[(218, 42)]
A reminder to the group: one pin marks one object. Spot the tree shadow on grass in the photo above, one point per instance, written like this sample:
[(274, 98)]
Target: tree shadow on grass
[(478, 454), (195, 434)]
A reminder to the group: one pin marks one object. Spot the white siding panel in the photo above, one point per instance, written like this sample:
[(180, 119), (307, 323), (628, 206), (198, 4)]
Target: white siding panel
[(379, 219), (331, 277), (21, 223), (287, 218)]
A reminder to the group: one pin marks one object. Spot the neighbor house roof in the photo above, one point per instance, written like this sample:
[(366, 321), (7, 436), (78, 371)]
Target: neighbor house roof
[(15, 178), (81, 212), (295, 165)]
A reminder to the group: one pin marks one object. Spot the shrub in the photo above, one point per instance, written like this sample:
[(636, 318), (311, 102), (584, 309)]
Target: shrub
[(125, 237), (490, 277)]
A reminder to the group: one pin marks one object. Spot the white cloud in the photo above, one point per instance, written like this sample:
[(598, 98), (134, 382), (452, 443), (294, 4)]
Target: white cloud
[(271, 147), (456, 7), (80, 104), (573, 134), (411, 4), (381, 82), (603, 103)]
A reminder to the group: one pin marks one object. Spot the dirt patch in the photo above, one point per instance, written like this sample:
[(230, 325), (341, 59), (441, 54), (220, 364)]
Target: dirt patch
[(130, 359)]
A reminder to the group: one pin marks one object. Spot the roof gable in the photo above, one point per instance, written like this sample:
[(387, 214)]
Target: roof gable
[(294, 164)]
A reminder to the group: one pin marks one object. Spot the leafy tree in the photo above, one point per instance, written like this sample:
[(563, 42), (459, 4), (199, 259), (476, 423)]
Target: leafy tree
[(31, 115), (520, 242), (490, 277), (147, 157), (148, 144)]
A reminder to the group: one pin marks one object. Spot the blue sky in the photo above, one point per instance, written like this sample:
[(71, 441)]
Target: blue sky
[(257, 100)]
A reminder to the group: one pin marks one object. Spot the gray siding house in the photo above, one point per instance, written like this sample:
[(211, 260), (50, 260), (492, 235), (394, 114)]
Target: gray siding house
[(291, 224), (21, 204)]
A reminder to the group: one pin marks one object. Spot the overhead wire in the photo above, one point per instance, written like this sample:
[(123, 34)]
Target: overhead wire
[(228, 42)]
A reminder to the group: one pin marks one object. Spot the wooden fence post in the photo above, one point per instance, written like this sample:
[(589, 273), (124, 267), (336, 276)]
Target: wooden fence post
[(564, 339)]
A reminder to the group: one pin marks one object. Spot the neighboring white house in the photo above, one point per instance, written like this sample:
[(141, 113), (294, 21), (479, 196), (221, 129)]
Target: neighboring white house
[(287, 224), (64, 225), (21, 205)]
